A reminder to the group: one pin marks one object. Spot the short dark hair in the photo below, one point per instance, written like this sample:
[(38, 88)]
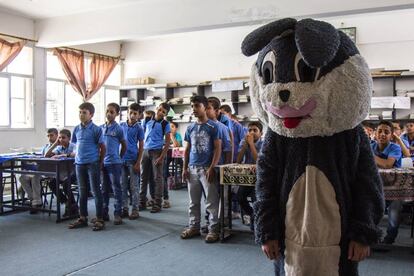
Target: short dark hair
[(52, 130), (165, 106), (368, 124), (174, 123), (88, 106), (215, 102), (256, 124), (135, 107), (199, 99), (150, 112), (226, 108), (114, 105), (387, 123), (65, 132)]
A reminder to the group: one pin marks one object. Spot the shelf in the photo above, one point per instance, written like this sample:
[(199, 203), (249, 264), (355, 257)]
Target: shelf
[(394, 77)]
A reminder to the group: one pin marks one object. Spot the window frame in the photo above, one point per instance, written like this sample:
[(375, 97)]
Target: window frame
[(9, 76)]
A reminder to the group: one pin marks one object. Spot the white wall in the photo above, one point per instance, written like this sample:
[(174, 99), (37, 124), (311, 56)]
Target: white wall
[(385, 39), (16, 25)]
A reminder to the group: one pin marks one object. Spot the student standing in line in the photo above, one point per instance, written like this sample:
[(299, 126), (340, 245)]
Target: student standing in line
[(90, 153), (113, 137), (156, 144), (131, 167), (202, 154)]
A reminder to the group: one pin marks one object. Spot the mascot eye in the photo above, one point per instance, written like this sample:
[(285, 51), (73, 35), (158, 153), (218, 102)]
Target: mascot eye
[(303, 72), (268, 67)]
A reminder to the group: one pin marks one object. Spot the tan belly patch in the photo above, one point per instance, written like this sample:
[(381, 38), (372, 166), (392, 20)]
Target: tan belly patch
[(313, 226)]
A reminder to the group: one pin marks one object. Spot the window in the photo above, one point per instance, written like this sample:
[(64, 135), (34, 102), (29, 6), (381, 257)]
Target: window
[(62, 100), (16, 91)]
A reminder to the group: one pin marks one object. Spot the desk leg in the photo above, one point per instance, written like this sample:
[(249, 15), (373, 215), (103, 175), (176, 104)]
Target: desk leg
[(58, 219), (229, 210), (222, 213), (12, 164), (1, 188)]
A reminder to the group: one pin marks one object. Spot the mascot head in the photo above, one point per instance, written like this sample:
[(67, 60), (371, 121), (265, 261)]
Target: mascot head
[(309, 78)]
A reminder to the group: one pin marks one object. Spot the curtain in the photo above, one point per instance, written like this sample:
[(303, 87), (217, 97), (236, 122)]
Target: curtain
[(8, 52), (72, 63), (100, 69)]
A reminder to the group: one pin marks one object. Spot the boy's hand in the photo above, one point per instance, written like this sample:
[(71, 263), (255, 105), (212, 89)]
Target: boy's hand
[(249, 139), (185, 174), (210, 175), (137, 168), (271, 249), (396, 137), (159, 161), (358, 251)]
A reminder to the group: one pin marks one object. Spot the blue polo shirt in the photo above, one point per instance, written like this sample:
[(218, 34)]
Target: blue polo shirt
[(87, 139), (392, 150), (154, 136), (409, 144), (248, 157), (224, 136), (133, 134), (113, 135), (238, 135), (62, 150), (45, 149), (201, 138), (225, 120)]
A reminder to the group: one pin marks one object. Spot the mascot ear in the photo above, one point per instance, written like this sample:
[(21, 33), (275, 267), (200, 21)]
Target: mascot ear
[(316, 41), (259, 38)]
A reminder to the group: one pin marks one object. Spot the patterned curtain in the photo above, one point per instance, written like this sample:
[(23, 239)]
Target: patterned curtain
[(8, 52)]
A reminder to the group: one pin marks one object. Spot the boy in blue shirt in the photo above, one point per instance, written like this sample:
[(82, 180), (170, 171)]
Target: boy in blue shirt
[(90, 152), (156, 145), (237, 129), (31, 183), (408, 137), (202, 154), (386, 153), (63, 148), (131, 166), (113, 136), (249, 149)]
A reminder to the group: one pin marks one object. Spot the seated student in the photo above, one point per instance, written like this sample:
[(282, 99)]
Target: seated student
[(369, 130), (249, 149), (176, 141), (31, 183), (60, 149), (386, 153), (113, 138), (408, 137), (397, 138)]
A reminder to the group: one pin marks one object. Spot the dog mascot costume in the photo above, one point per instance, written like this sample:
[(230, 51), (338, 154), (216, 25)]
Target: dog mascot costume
[(318, 188)]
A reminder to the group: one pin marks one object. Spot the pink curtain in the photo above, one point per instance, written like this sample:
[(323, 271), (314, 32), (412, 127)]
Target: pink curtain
[(72, 63), (101, 68), (8, 51)]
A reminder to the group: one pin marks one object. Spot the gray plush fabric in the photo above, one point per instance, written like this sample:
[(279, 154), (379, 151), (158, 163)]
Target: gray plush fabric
[(342, 100)]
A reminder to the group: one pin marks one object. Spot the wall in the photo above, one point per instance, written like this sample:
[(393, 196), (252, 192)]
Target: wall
[(385, 39), (16, 25)]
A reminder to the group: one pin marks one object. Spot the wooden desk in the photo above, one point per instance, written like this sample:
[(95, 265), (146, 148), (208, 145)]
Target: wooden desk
[(233, 174), (53, 169)]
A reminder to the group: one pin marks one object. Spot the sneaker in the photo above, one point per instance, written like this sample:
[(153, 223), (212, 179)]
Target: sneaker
[(212, 237), (117, 220), (32, 212), (166, 204), (155, 209), (134, 214), (235, 215), (142, 207), (189, 233), (124, 213)]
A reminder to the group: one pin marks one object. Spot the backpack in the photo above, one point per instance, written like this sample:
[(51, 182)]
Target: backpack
[(162, 122)]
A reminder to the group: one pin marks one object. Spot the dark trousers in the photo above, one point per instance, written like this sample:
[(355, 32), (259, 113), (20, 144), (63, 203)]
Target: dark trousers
[(242, 195), (65, 194)]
